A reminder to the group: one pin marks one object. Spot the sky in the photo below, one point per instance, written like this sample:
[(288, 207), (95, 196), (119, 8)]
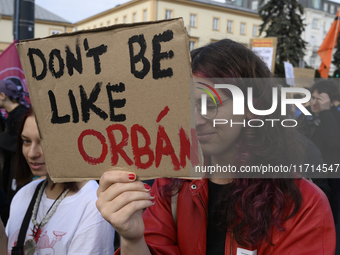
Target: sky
[(76, 10)]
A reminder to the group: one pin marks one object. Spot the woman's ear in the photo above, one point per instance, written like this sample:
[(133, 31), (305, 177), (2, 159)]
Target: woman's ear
[(2, 96)]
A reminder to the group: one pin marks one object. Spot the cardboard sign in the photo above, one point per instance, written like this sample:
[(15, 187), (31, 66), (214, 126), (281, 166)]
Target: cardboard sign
[(117, 96), (265, 48), (304, 77)]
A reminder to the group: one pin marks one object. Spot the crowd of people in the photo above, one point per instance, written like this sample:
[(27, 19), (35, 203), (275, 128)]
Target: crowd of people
[(213, 215)]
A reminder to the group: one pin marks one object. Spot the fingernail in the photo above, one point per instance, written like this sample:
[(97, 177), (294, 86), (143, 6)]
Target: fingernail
[(153, 201), (147, 186), (152, 194), (132, 177)]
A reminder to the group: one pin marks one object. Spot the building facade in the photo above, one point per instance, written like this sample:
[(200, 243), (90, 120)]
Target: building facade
[(319, 16), (205, 21), (208, 20), (46, 23)]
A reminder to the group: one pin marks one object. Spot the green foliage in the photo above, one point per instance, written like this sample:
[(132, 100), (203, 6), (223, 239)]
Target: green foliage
[(279, 70), (336, 73), (336, 55), (317, 74), (282, 19)]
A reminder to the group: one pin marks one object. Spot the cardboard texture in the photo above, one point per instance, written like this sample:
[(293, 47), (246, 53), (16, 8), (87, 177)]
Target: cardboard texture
[(118, 96), (265, 48), (304, 77)]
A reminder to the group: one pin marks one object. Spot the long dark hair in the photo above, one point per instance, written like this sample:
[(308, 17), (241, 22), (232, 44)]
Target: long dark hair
[(250, 208), (23, 173)]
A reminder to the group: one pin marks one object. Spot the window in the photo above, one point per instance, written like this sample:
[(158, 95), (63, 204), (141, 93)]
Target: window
[(243, 29), (125, 19), (108, 22), (193, 42), (134, 17), (325, 7), (311, 61), (312, 40), (192, 20), (192, 45), (145, 15), (229, 26), (215, 24), (101, 24), (239, 2), (116, 21), (255, 5), (331, 10), (316, 4), (168, 14), (315, 23), (255, 30), (55, 31)]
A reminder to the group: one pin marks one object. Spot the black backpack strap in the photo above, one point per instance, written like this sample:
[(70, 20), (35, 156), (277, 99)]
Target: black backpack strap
[(18, 249)]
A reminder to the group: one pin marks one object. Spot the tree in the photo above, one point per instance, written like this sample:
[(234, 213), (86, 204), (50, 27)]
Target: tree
[(282, 19)]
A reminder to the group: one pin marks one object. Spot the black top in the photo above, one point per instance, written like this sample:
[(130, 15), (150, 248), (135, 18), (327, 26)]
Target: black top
[(14, 120), (8, 138), (216, 235)]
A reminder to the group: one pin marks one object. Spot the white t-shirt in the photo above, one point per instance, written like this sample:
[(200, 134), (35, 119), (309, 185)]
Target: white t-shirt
[(76, 227)]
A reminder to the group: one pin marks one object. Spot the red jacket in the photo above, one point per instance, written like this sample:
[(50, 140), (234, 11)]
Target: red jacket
[(310, 231)]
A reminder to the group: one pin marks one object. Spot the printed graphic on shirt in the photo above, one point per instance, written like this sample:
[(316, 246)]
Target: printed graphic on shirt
[(44, 244)]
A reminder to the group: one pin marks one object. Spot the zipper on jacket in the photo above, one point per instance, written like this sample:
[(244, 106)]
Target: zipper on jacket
[(231, 243), (205, 208)]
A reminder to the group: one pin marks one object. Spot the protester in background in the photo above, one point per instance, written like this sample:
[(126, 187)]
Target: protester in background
[(12, 100), (65, 219), (323, 128), (221, 215)]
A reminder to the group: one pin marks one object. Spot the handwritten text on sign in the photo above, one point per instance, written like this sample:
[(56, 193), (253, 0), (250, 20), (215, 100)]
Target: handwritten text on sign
[(75, 82)]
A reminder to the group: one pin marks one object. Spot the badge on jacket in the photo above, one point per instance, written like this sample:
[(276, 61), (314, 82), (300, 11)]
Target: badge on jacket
[(241, 251)]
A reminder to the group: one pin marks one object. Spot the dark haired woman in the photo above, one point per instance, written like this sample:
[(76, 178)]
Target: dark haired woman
[(218, 215), (65, 219)]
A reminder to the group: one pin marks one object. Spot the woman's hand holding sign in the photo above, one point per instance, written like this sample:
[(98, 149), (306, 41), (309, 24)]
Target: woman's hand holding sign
[(121, 201)]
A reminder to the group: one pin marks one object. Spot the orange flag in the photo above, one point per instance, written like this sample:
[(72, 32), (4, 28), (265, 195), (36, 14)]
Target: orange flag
[(329, 43)]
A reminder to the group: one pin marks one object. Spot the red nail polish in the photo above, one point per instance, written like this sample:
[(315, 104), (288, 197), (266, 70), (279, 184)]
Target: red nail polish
[(152, 194), (132, 177), (147, 186), (153, 201)]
